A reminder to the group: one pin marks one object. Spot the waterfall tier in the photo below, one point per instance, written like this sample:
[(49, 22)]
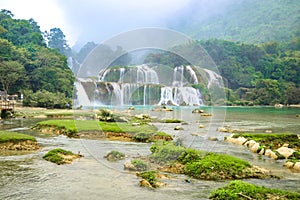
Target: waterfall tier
[(145, 85)]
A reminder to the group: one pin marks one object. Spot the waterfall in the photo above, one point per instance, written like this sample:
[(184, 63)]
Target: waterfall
[(166, 96), (82, 97), (213, 78), (141, 85), (192, 73)]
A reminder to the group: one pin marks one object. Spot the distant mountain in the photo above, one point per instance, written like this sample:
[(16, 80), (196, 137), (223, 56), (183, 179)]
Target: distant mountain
[(251, 21)]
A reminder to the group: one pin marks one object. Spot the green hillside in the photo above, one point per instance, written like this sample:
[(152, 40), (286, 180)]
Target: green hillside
[(252, 21)]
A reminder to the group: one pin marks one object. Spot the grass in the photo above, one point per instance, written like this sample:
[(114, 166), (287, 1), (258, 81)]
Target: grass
[(139, 165), (8, 136), (54, 156), (216, 167), (75, 126), (272, 141), (150, 176), (242, 190), (115, 155), (165, 152)]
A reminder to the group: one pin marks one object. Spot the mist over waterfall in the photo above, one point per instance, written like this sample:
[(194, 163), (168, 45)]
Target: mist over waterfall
[(150, 85)]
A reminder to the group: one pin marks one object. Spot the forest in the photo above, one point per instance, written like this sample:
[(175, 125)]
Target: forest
[(29, 66), (34, 63)]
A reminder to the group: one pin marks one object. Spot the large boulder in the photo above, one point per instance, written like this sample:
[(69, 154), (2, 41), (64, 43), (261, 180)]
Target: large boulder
[(285, 151), (297, 166)]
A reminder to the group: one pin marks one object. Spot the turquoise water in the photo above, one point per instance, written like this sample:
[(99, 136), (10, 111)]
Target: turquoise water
[(28, 176)]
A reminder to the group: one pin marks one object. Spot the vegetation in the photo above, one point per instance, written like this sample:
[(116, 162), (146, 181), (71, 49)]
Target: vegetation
[(115, 155), (28, 66), (242, 190), (8, 136), (272, 141), (149, 176), (164, 152), (139, 165), (71, 127), (252, 21), (172, 121), (57, 156), (217, 167)]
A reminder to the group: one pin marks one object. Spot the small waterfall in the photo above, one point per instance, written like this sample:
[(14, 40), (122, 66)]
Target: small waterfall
[(213, 78), (166, 96), (178, 76), (146, 75), (82, 97), (122, 72), (192, 73)]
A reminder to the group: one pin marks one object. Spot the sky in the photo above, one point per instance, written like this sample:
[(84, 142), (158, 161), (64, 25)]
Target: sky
[(98, 20)]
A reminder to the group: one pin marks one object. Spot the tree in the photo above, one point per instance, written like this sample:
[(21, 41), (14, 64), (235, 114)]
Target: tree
[(10, 72), (57, 40)]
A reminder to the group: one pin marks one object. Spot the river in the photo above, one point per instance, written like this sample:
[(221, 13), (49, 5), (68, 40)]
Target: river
[(28, 176)]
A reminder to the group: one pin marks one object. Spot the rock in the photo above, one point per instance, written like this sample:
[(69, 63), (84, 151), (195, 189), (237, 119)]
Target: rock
[(250, 143), (131, 108), (201, 126), (212, 139), (178, 128), (262, 151), (145, 183), (129, 166), (206, 114), (197, 110), (239, 140), (136, 124), (289, 164), (285, 145), (184, 123), (223, 129), (255, 147), (268, 131), (297, 166), (271, 154), (285, 151)]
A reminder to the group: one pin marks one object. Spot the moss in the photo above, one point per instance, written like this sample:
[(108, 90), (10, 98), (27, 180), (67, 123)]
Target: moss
[(139, 165), (55, 156), (8, 136), (242, 190), (150, 176), (114, 156), (272, 141), (216, 167), (190, 155), (165, 152)]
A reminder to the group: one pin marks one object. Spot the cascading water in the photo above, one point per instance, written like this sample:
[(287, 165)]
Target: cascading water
[(141, 85)]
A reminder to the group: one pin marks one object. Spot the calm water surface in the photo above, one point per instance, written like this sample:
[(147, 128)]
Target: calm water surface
[(28, 176)]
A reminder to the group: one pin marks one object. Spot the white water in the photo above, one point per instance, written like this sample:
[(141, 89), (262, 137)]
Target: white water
[(213, 78), (177, 93), (82, 97)]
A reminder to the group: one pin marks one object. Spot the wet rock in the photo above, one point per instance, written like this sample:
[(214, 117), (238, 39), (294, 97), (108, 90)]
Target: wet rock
[(271, 154), (129, 166), (206, 114), (223, 129), (262, 151), (201, 126), (178, 128), (297, 166), (268, 131), (289, 165), (136, 124), (250, 143), (239, 140), (254, 147), (145, 183), (197, 110), (285, 151), (212, 139)]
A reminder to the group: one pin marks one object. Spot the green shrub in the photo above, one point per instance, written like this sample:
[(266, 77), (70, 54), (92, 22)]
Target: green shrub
[(139, 165), (242, 190), (150, 176), (216, 167), (190, 155), (164, 152)]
